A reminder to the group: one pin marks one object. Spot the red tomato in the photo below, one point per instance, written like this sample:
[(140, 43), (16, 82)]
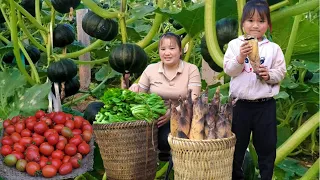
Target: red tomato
[(85, 122), (10, 129), (37, 140), (39, 114), (78, 122), (19, 126), (84, 148), (25, 141), (56, 163), (75, 162), (62, 138), (76, 131), (60, 145), (7, 141), (6, 123), (32, 155), (19, 147), (33, 168), (78, 155), (69, 123), (87, 135), (57, 154), (51, 115), (70, 149), (87, 127), (30, 118), (59, 118), (33, 147), (26, 133), (49, 131), (5, 150), (69, 116), (66, 132), (53, 139), (47, 120), (18, 155), (65, 168), (30, 125), (58, 128), (15, 137), (15, 119), (43, 161), (49, 171), (46, 149), (66, 159), (40, 127), (76, 140)]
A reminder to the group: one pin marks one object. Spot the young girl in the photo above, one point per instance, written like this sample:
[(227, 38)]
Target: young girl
[(255, 109)]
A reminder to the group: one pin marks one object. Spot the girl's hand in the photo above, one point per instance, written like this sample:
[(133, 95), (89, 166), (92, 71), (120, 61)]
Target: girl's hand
[(245, 49), (164, 119), (263, 72)]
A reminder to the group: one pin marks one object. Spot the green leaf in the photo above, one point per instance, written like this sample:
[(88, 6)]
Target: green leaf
[(105, 72), (288, 83), (311, 60), (315, 78), (283, 133), (34, 98), (5, 49), (141, 10), (282, 95), (292, 167)]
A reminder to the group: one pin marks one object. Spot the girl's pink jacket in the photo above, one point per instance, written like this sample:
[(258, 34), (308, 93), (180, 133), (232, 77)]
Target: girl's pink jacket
[(244, 82)]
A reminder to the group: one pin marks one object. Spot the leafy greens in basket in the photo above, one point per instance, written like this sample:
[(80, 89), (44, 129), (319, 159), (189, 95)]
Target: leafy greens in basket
[(123, 105)]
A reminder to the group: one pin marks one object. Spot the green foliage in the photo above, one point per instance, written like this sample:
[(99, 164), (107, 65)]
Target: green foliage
[(17, 98), (289, 169)]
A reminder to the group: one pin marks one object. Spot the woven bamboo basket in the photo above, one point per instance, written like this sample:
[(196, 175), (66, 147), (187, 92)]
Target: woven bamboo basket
[(202, 159), (128, 149)]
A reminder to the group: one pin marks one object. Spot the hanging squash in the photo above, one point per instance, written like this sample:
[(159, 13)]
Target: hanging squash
[(71, 87), (128, 58), (65, 6), (227, 29), (34, 54), (29, 5), (98, 27), (63, 35), (61, 71)]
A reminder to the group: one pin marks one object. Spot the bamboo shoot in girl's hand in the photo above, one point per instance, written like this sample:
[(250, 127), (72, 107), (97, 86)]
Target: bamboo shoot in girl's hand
[(183, 124), (200, 110), (254, 57), (175, 117)]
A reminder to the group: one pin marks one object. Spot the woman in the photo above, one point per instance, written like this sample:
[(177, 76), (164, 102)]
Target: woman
[(170, 78)]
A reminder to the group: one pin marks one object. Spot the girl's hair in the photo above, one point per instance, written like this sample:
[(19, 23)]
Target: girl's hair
[(171, 35), (261, 6)]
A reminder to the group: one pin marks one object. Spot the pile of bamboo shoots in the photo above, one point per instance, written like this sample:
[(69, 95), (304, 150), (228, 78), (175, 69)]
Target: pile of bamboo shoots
[(200, 119)]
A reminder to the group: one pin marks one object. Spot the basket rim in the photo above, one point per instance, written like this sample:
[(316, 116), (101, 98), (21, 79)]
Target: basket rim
[(173, 138), (120, 125)]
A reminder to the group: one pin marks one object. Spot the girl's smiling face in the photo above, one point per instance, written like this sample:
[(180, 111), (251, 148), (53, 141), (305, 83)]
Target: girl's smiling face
[(255, 25), (169, 51)]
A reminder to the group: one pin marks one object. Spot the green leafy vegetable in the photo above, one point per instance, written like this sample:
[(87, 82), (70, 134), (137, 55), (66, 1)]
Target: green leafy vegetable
[(124, 105)]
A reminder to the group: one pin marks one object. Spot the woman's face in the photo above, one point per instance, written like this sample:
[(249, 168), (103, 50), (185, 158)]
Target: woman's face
[(169, 51)]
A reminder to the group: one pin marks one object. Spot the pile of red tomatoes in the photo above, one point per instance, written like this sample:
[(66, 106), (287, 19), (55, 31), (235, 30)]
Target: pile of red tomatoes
[(46, 144)]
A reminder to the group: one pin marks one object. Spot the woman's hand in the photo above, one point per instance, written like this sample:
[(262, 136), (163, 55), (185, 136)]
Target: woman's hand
[(164, 119), (134, 88), (245, 49), (263, 72)]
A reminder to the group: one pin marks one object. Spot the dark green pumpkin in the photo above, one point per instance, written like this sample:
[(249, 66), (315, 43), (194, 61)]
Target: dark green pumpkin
[(92, 110), (128, 58), (61, 71), (63, 6), (29, 5), (71, 87), (8, 57), (227, 29), (34, 54), (63, 35), (98, 27)]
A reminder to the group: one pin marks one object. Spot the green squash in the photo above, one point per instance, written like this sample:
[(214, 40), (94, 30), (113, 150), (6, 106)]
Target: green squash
[(63, 6), (98, 27), (61, 71), (71, 87), (227, 29), (34, 54), (128, 58), (92, 110), (63, 35), (29, 5)]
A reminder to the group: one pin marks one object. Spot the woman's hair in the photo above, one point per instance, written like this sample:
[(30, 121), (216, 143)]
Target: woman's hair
[(172, 36), (261, 6)]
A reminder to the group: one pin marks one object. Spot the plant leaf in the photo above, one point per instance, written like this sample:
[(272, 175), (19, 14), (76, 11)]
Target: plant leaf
[(105, 72)]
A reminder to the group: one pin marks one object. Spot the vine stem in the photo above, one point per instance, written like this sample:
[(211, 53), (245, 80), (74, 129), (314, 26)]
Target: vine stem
[(38, 18), (278, 5), (190, 48), (14, 40), (122, 20), (293, 36), (210, 32), (312, 172), (98, 10), (240, 5), (97, 61), (76, 54), (294, 10), (155, 26), (297, 137)]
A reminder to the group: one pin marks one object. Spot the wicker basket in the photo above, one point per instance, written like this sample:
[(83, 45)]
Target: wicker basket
[(128, 149), (202, 159)]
